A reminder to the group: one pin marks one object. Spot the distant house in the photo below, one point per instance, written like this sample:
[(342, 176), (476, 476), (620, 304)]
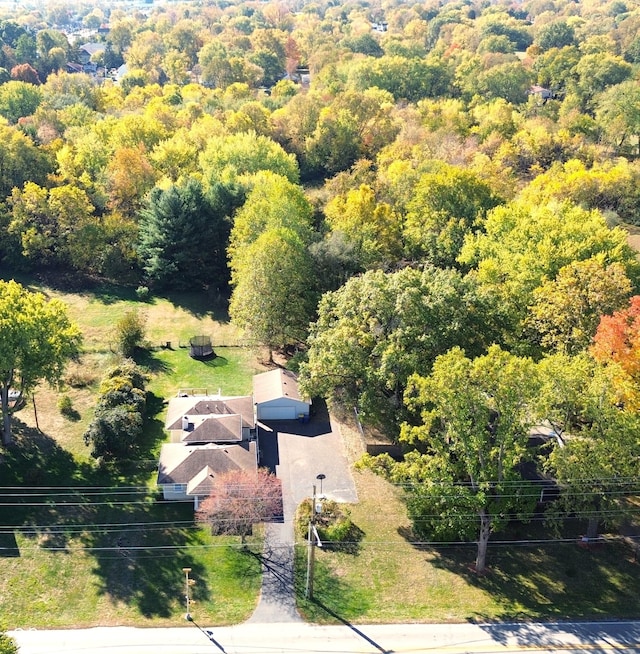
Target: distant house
[(277, 396), (540, 91), (87, 50)]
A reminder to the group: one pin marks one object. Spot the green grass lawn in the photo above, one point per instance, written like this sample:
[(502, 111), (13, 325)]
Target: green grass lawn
[(386, 579)]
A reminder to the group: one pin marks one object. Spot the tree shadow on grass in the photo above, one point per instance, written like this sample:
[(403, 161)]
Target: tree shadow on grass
[(201, 304), (550, 580), (333, 596), (39, 497), (49, 497), (146, 359), (138, 562)]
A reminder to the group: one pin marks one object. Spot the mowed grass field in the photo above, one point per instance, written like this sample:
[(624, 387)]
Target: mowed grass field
[(107, 552), (387, 579)]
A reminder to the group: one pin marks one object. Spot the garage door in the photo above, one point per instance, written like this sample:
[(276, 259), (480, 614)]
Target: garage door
[(277, 413)]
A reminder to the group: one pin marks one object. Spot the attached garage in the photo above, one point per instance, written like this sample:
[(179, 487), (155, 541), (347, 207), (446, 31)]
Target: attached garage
[(277, 396)]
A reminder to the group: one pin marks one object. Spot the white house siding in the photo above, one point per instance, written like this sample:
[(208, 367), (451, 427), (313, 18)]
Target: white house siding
[(175, 492)]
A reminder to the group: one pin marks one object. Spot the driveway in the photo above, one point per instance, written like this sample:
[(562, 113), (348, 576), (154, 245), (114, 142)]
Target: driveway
[(297, 453)]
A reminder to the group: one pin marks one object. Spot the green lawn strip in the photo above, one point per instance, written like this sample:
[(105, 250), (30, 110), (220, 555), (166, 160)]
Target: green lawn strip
[(389, 580), (76, 587)]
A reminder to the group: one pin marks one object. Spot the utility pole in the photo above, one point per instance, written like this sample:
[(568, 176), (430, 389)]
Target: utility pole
[(187, 584), (311, 547)]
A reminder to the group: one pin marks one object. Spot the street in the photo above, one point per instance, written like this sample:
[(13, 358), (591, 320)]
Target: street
[(292, 638)]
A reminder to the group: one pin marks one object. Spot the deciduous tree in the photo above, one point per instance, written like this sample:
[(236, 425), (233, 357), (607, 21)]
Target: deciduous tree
[(464, 478), (523, 246), (373, 227), (274, 289), (617, 340), (380, 328), (36, 341), (566, 311), (596, 454), (18, 99), (448, 203), (239, 500)]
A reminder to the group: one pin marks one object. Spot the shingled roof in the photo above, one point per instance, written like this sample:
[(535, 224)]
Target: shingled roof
[(211, 405), (275, 384), (193, 465)]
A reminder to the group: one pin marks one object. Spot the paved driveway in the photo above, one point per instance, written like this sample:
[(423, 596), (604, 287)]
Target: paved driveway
[(297, 453)]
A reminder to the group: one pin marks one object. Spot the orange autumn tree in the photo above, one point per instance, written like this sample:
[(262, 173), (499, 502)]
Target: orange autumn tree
[(617, 341)]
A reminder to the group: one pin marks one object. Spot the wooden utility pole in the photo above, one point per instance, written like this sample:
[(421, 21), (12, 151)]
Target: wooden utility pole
[(187, 584), (311, 547)]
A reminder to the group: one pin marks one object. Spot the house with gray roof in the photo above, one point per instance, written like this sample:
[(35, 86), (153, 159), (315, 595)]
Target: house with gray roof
[(199, 419), (212, 434), (187, 472)]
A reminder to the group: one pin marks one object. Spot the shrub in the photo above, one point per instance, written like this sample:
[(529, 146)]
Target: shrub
[(334, 525), (7, 644), (65, 405), (130, 331), (142, 293), (118, 422)]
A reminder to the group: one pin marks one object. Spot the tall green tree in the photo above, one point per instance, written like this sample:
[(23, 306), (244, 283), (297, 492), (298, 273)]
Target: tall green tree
[(36, 341), (524, 245), (272, 202), (447, 205), (18, 99), (377, 330), (464, 478), (50, 223), (274, 290), (244, 153), (373, 227), (618, 112)]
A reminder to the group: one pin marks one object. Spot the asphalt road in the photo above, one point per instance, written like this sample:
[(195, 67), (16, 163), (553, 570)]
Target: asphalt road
[(294, 638)]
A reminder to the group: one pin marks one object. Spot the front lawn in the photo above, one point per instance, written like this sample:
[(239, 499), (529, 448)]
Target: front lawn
[(386, 579)]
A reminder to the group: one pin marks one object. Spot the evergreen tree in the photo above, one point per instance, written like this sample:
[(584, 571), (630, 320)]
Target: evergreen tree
[(183, 237)]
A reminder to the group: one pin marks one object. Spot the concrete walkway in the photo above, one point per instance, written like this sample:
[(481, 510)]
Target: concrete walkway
[(297, 453)]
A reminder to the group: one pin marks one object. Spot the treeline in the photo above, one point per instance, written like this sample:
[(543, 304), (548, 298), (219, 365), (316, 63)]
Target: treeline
[(464, 167)]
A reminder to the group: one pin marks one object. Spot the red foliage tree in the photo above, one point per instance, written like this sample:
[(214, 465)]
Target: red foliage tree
[(618, 339), (25, 73), (240, 499)]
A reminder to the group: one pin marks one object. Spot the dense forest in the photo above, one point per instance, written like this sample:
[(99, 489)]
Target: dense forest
[(415, 197)]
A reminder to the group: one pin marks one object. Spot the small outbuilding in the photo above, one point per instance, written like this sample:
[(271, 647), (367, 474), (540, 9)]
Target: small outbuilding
[(277, 397)]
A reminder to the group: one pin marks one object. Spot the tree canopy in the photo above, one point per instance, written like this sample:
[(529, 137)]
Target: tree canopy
[(465, 481), (37, 339)]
